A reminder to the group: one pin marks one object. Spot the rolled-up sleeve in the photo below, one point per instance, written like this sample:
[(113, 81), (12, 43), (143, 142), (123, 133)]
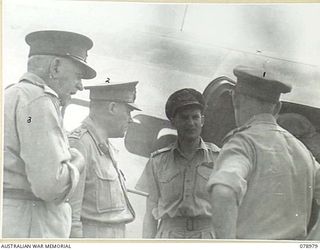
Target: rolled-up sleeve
[(147, 182), (44, 149), (234, 164)]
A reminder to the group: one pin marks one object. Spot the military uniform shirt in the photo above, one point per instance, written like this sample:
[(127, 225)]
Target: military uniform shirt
[(36, 148), (273, 176), (37, 174), (176, 185), (100, 195)]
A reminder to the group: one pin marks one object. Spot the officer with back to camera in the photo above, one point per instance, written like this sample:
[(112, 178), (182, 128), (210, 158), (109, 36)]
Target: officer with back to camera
[(40, 169), (265, 178), (178, 205), (101, 208)]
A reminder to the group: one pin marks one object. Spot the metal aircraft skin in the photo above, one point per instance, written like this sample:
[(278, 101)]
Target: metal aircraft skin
[(167, 47)]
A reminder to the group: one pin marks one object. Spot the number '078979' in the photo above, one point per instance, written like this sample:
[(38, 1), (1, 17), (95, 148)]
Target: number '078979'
[(308, 245)]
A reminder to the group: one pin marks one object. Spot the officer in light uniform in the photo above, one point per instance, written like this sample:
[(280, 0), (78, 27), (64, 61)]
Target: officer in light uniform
[(178, 205), (265, 179), (101, 207), (40, 169)]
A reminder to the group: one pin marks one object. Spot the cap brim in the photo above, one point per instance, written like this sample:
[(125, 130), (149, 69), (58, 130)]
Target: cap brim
[(133, 106), (88, 72)]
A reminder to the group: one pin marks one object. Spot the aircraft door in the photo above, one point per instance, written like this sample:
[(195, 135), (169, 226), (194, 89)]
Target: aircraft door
[(219, 114)]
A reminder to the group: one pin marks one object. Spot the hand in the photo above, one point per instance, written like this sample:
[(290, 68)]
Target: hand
[(77, 159)]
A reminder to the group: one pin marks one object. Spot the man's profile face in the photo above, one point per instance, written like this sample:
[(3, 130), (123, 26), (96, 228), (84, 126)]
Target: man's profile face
[(122, 118), (69, 77), (188, 121)]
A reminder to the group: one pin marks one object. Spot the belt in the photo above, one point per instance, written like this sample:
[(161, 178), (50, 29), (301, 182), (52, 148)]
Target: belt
[(19, 194), (94, 222), (189, 223)]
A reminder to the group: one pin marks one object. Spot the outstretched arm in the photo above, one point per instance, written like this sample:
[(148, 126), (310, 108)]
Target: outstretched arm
[(224, 211)]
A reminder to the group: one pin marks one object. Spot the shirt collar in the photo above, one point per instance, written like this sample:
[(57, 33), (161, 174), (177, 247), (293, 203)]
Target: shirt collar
[(38, 81), (261, 118), (202, 146)]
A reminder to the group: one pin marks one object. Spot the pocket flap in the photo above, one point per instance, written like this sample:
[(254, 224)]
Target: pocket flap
[(208, 164), (167, 176), (205, 169), (109, 173)]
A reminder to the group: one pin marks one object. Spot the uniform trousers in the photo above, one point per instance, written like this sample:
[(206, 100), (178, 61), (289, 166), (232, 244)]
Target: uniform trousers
[(95, 229), (35, 219)]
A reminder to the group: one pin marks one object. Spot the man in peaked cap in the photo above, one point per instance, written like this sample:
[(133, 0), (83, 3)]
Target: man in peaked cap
[(265, 178), (178, 205), (100, 205), (41, 171)]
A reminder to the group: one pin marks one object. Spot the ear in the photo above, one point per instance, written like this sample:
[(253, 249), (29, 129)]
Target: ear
[(112, 108), (277, 109), (202, 120), (172, 122), (55, 67)]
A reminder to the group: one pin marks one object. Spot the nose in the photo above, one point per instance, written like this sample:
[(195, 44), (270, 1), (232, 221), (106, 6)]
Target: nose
[(190, 121), (79, 85), (130, 119)]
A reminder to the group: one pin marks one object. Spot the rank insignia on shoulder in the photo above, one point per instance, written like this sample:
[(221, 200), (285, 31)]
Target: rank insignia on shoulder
[(77, 133), (161, 150)]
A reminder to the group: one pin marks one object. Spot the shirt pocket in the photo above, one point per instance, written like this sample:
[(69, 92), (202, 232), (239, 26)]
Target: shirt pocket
[(109, 192), (170, 185), (204, 171)]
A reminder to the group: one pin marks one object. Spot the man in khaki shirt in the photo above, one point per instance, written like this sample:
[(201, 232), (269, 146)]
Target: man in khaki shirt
[(265, 179), (41, 171), (101, 208), (178, 205)]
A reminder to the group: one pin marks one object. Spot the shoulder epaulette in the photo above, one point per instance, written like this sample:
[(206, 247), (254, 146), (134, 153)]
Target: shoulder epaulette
[(233, 132), (77, 133), (212, 147), (161, 150)]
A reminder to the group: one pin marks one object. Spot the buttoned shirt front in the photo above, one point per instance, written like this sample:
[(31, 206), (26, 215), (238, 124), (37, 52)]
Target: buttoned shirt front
[(178, 185), (101, 195), (274, 178)]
